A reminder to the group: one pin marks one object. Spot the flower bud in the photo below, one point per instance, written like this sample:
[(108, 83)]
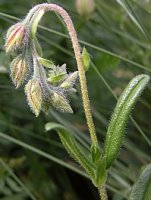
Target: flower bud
[(19, 70), (70, 80), (15, 37), (85, 7), (34, 96), (61, 103)]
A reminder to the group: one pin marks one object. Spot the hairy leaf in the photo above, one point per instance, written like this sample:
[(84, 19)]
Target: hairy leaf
[(72, 146), (101, 172), (46, 63), (120, 116), (35, 20), (142, 188)]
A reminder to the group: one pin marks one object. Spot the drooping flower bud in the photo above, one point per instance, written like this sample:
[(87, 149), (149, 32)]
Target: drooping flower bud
[(70, 80), (15, 37), (34, 96), (19, 70), (61, 103), (85, 7)]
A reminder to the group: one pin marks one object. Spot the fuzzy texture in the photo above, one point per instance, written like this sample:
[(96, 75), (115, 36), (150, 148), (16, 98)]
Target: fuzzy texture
[(15, 37), (120, 116), (80, 65), (32, 25), (61, 103), (19, 70), (70, 81), (34, 96), (142, 187)]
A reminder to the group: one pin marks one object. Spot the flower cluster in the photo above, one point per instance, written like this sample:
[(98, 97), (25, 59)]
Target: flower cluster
[(47, 85)]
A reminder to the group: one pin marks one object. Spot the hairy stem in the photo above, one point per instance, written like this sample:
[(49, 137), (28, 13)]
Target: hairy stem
[(103, 193), (77, 51)]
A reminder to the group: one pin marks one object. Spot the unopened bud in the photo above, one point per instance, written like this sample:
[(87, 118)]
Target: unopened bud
[(34, 96), (61, 103), (70, 81), (19, 70), (85, 7), (15, 37)]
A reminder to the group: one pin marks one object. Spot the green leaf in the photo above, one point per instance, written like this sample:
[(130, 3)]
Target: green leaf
[(70, 80), (13, 185), (38, 47), (86, 59), (46, 63), (142, 188), (130, 12), (58, 74), (99, 164), (56, 78), (121, 114), (101, 172), (95, 153), (35, 20), (72, 146), (41, 153)]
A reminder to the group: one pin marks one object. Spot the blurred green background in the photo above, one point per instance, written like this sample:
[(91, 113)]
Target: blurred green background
[(33, 163)]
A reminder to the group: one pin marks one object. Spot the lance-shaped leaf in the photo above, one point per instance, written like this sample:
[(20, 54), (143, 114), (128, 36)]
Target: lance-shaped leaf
[(129, 6), (57, 75), (101, 172), (38, 47), (120, 116), (35, 20), (142, 188), (46, 63), (72, 146)]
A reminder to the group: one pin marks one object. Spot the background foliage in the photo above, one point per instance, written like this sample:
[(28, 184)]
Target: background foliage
[(34, 165)]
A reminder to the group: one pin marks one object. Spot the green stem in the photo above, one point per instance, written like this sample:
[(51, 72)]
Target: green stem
[(77, 51), (103, 193)]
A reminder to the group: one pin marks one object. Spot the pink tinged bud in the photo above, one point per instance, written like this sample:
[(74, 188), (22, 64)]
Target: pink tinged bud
[(34, 96), (15, 37), (19, 70)]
